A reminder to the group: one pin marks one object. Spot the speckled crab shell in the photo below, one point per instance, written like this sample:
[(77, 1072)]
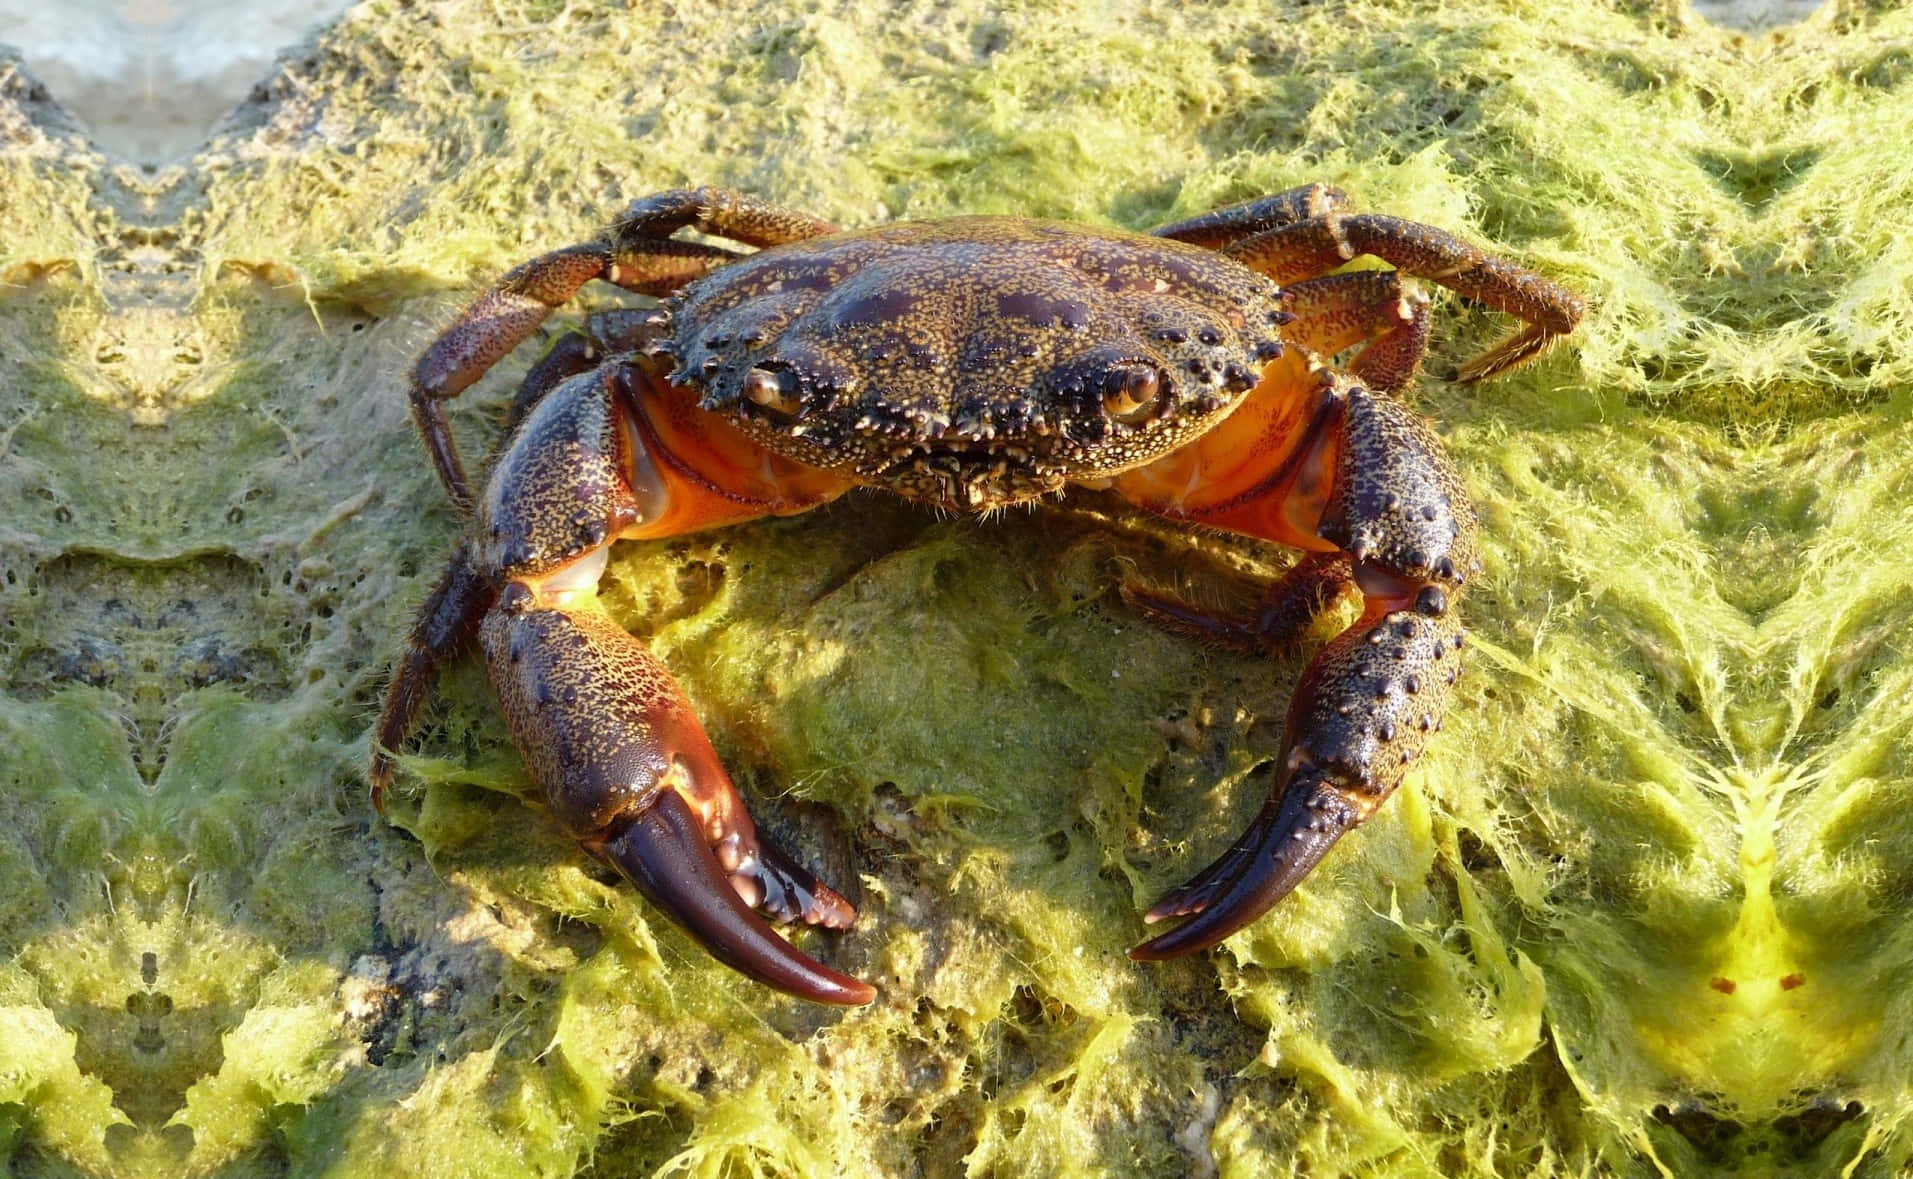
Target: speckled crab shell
[(977, 361)]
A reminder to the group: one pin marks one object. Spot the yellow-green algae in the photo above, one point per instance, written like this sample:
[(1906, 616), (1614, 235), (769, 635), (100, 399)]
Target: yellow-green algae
[(1642, 912)]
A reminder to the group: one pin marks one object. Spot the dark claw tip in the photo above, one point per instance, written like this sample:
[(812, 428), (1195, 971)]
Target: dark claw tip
[(1308, 817), (378, 778), (664, 853)]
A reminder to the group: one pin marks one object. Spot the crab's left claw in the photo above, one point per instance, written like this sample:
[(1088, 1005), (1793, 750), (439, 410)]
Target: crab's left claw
[(1363, 711), (628, 769), (1287, 840)]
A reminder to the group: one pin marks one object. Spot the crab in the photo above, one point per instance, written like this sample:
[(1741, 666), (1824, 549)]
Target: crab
[(970, 364)]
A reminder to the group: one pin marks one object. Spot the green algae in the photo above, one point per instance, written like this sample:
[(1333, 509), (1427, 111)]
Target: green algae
[(1640, 912)]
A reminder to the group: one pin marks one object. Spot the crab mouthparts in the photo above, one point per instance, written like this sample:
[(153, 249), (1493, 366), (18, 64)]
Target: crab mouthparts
[(969, 477)]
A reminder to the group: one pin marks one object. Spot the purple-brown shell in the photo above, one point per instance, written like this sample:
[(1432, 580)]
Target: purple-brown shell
[(978, 361)]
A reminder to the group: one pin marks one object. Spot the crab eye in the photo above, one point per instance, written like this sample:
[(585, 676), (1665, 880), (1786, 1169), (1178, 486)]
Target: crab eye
[(772, 390), (1129, 394)]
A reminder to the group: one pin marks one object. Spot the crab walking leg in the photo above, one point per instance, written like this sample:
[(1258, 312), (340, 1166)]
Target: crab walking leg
[(623, 329), (1342, 471), (445, 626), (1373, 308), (638, 254), (1315, 246), (574, 354), (506, 315), (739, 216), (1218, 227), (1310, 588)]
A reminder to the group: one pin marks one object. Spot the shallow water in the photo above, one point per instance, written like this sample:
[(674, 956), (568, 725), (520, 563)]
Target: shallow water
[(150, 78)]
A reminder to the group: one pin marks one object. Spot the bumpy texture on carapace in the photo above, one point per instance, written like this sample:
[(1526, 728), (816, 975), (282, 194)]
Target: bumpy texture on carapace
[(976, 361)]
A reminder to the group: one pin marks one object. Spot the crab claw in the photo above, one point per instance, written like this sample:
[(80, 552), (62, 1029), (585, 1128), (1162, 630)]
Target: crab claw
[(663, 852), (1362, 712), (628, 770), (1285, 843)]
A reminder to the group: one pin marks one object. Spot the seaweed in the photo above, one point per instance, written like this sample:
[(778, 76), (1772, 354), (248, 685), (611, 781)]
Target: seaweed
[(1642, 910)]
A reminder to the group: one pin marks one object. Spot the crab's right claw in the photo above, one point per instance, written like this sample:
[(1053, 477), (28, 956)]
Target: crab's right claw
[(664, 853), (628, 769)]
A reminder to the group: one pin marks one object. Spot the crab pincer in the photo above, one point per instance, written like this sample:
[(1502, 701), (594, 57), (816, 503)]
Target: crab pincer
[(607, 735), (628, 771), (1359, 717), (1365, 479)]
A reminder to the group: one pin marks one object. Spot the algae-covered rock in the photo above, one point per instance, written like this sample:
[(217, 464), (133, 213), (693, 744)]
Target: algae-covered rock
[(1641, 910)]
